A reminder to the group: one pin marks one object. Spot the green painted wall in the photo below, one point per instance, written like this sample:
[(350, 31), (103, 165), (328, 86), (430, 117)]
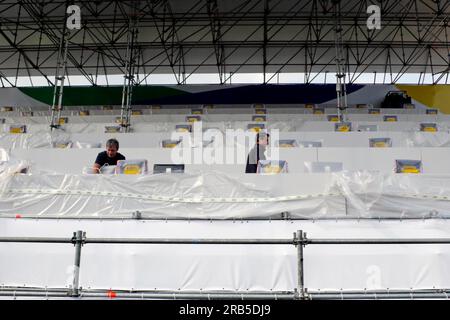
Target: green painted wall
[(78, 96)]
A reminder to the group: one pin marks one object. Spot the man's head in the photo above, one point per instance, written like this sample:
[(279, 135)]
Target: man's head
[(262, 139), (112, 146)]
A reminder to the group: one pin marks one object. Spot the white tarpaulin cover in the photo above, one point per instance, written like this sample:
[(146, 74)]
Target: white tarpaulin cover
[(214, 195), (45, 139), (436, 139), (226, 267)]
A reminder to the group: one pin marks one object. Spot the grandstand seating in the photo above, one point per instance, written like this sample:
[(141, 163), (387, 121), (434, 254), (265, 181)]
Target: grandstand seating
[(350, 198), (154, 139), (57, 186), (149, 130), (73, 161)]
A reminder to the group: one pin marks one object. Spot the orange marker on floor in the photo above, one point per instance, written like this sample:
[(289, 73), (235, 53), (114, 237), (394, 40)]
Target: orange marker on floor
[(111, 294)]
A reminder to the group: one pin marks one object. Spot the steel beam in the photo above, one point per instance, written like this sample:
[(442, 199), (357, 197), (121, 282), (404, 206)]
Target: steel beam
[(253, 35)]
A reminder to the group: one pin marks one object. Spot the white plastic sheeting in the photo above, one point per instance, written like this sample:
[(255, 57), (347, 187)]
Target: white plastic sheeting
[(226, 267), (45, 139), (204, 196), (285, 126), (99, 127), (214, 195), (232, 160), (421, 139), (181, 117), (394, 196)]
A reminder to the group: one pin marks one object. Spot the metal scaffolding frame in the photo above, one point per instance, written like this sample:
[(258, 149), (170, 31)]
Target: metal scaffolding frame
[(299, 240), (60, 77), (131, 60), (187, 37), (341, 89)]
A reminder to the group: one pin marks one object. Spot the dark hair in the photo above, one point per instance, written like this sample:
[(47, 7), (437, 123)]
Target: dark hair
[(263, 134), (112, 142)]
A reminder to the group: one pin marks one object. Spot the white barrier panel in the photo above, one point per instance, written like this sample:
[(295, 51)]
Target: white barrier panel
[(372, 159), (436, 161), (225, 109), (349, 139), (211, 195), (153, 140), (271, 117), (317, 126), (428, 139), (400, 117), (215, 195), (284, 126), (183, 268), (74, 160), (165, 118), (232, 160)]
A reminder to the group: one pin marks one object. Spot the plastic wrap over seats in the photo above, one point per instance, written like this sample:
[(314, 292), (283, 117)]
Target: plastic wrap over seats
[(228, 160), (214, 195)]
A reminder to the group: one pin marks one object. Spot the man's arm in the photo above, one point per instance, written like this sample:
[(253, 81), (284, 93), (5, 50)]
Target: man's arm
[(97, 164), (96, 168)]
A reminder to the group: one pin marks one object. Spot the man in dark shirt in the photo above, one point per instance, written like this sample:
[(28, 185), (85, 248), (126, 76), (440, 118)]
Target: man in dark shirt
[(257, 153), (108, 157)]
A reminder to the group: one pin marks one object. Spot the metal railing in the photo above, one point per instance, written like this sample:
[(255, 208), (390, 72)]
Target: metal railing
[(299, 240)]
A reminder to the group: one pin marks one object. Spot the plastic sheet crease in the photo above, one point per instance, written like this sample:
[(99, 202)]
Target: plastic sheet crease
[(214, 195)]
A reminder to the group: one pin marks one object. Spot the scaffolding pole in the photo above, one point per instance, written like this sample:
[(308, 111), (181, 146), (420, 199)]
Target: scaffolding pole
[(341, 89), (49, 294), (299, 241), (61, 66), (78, 241), (130, 71)]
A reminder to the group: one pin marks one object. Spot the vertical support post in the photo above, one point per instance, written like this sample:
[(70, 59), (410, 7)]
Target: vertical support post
[(60, 77), (78, 240), (127, 82), (299, 238), (341, 89), (130, 67), (266, 14)]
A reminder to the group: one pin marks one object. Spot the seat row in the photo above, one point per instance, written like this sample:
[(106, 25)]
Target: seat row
[(216, 139), (331, 117), (282, 126), (232, 160)]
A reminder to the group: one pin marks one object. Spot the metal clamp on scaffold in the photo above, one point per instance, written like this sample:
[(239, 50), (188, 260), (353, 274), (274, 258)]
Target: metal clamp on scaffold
[(299, 242), (78, 240), (79, 237)]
